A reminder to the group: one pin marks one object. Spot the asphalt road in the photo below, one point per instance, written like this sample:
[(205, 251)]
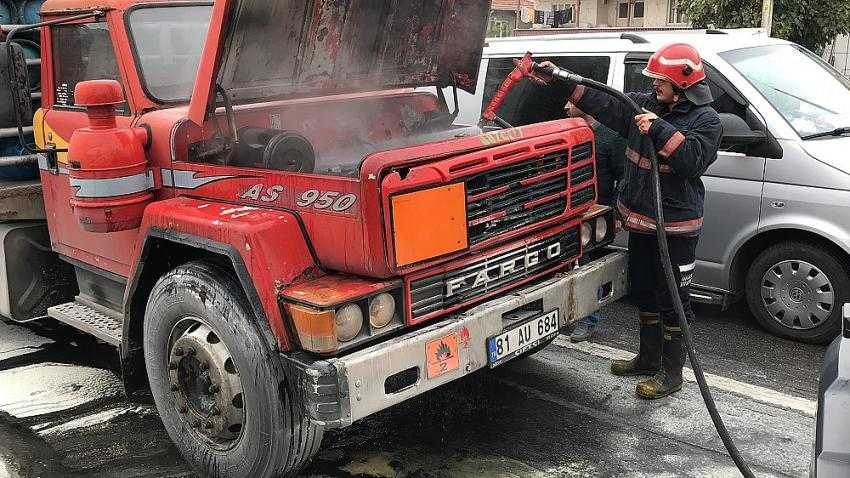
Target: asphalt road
[(558, 413)]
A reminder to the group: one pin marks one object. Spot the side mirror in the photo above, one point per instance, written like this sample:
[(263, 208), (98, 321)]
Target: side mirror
[(736, 132), (14, 87)]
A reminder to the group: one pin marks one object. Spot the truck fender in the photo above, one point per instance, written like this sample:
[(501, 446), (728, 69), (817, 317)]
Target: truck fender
[(267, 250)]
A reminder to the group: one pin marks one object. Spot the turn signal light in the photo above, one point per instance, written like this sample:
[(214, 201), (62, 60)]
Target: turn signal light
[(316, 328), (429, 223)]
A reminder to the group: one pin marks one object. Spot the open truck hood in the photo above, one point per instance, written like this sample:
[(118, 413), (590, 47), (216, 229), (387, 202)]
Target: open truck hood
[(259, 50)]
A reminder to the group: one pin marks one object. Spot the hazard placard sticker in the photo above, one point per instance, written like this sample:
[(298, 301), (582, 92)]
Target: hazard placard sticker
[(442, 355)]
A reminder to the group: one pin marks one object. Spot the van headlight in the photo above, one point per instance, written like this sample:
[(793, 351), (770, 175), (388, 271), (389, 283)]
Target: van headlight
[(349, 322), (381, 310)]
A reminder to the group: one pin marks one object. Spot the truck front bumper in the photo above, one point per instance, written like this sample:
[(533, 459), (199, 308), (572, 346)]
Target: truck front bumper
[(339, 391)]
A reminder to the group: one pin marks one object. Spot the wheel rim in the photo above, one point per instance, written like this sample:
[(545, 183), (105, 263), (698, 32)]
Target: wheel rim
[(205, 384), (797, 295)]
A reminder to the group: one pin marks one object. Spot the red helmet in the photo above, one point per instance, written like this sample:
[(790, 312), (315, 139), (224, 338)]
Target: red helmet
[(681, 65)]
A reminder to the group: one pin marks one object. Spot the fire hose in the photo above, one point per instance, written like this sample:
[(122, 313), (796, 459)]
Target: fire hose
[(527, 68)]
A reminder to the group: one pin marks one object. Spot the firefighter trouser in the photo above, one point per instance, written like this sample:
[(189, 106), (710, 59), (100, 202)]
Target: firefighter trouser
[(647, 281)]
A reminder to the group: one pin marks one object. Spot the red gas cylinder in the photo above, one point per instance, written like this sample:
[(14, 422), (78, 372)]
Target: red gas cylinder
[(107, 164)]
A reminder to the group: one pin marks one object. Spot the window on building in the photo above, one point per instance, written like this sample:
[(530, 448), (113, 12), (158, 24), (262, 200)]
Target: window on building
[(81, 52), (676, 14), (623, 11), (499, 28), (638, 10), (529, 103), (631, 9)]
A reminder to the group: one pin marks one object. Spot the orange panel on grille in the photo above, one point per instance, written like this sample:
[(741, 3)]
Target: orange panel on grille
[(429, 223)]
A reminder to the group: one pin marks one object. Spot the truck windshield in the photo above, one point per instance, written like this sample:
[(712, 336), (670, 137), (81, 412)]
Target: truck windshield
[(810, 94), (168, 41)]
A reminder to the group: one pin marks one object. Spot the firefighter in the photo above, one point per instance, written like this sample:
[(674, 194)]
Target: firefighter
[(685, 131)]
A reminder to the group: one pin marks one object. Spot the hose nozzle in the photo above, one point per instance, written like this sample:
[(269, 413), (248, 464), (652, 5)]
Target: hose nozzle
[(559, 73)]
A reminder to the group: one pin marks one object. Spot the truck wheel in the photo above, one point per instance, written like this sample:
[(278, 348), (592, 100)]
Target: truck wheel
[(796, 291), (217, 385)]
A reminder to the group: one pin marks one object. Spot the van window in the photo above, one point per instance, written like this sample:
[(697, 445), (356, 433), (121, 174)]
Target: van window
[(530, 103), (725, 101), (811, 95), (81, 52)]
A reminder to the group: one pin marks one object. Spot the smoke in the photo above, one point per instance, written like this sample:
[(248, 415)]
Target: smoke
[(343, 130), (341, 48)]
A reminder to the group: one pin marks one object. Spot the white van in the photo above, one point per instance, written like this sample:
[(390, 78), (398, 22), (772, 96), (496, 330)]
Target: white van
[(777, 220)]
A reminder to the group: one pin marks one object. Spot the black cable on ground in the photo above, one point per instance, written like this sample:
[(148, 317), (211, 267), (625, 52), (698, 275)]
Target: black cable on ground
[(672, 285)]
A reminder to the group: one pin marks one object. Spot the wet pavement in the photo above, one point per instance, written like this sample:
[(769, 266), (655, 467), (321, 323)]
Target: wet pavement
[(558, 413)]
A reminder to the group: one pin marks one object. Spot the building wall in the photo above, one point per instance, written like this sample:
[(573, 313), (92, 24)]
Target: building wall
[(602, 13)]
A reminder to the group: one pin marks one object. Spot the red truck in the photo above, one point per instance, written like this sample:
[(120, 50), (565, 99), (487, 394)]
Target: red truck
[(267, 209)]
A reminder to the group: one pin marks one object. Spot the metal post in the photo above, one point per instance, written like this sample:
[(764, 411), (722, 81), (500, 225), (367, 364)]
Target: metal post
[(767, 15)]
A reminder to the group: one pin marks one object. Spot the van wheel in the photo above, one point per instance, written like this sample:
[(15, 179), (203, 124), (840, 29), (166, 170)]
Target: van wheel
[(796, 291), (219, 389)]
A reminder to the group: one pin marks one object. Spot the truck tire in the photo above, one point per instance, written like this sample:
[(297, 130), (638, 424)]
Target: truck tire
[(796, 291), (219, 388)]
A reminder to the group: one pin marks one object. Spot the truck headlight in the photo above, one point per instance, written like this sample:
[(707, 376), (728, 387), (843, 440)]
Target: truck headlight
[(601, 229), (381, 310), (349, 322), (586, 234)]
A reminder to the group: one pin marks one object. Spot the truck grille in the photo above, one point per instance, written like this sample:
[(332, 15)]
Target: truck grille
[(511, 197), (441, 291), (514, 196), (581, 175), (583, 196), (582, 151)]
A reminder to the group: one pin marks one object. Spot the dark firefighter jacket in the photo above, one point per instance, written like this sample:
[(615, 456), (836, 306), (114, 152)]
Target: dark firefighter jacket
[(686, 141), (610, 162)]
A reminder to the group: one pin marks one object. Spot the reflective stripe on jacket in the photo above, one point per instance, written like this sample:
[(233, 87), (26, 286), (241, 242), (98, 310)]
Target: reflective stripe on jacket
[(686, 140)]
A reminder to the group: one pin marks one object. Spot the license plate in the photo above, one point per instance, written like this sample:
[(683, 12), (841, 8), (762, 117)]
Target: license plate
[(522, 338)]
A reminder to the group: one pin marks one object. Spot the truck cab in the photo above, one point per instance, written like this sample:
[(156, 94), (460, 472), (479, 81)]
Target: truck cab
[(269, 210)]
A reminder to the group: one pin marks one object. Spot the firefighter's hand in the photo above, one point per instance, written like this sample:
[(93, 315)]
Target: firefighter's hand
[(644, 121), (546, 67)]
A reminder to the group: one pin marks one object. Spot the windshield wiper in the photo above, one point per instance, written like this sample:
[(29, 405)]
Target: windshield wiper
[(836, 132)]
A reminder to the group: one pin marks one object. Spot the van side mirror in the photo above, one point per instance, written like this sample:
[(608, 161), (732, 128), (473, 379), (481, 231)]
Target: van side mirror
[(739, 137), (14, 87), (736, 132)]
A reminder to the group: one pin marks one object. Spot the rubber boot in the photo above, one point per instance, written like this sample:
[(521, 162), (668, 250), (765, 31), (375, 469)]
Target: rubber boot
[(669, 379), (648, 359)]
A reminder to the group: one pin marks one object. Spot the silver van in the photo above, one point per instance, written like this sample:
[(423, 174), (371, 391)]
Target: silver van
[(777, 220)]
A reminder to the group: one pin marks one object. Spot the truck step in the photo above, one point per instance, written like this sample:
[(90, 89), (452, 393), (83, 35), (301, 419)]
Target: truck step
[(88, 319)]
